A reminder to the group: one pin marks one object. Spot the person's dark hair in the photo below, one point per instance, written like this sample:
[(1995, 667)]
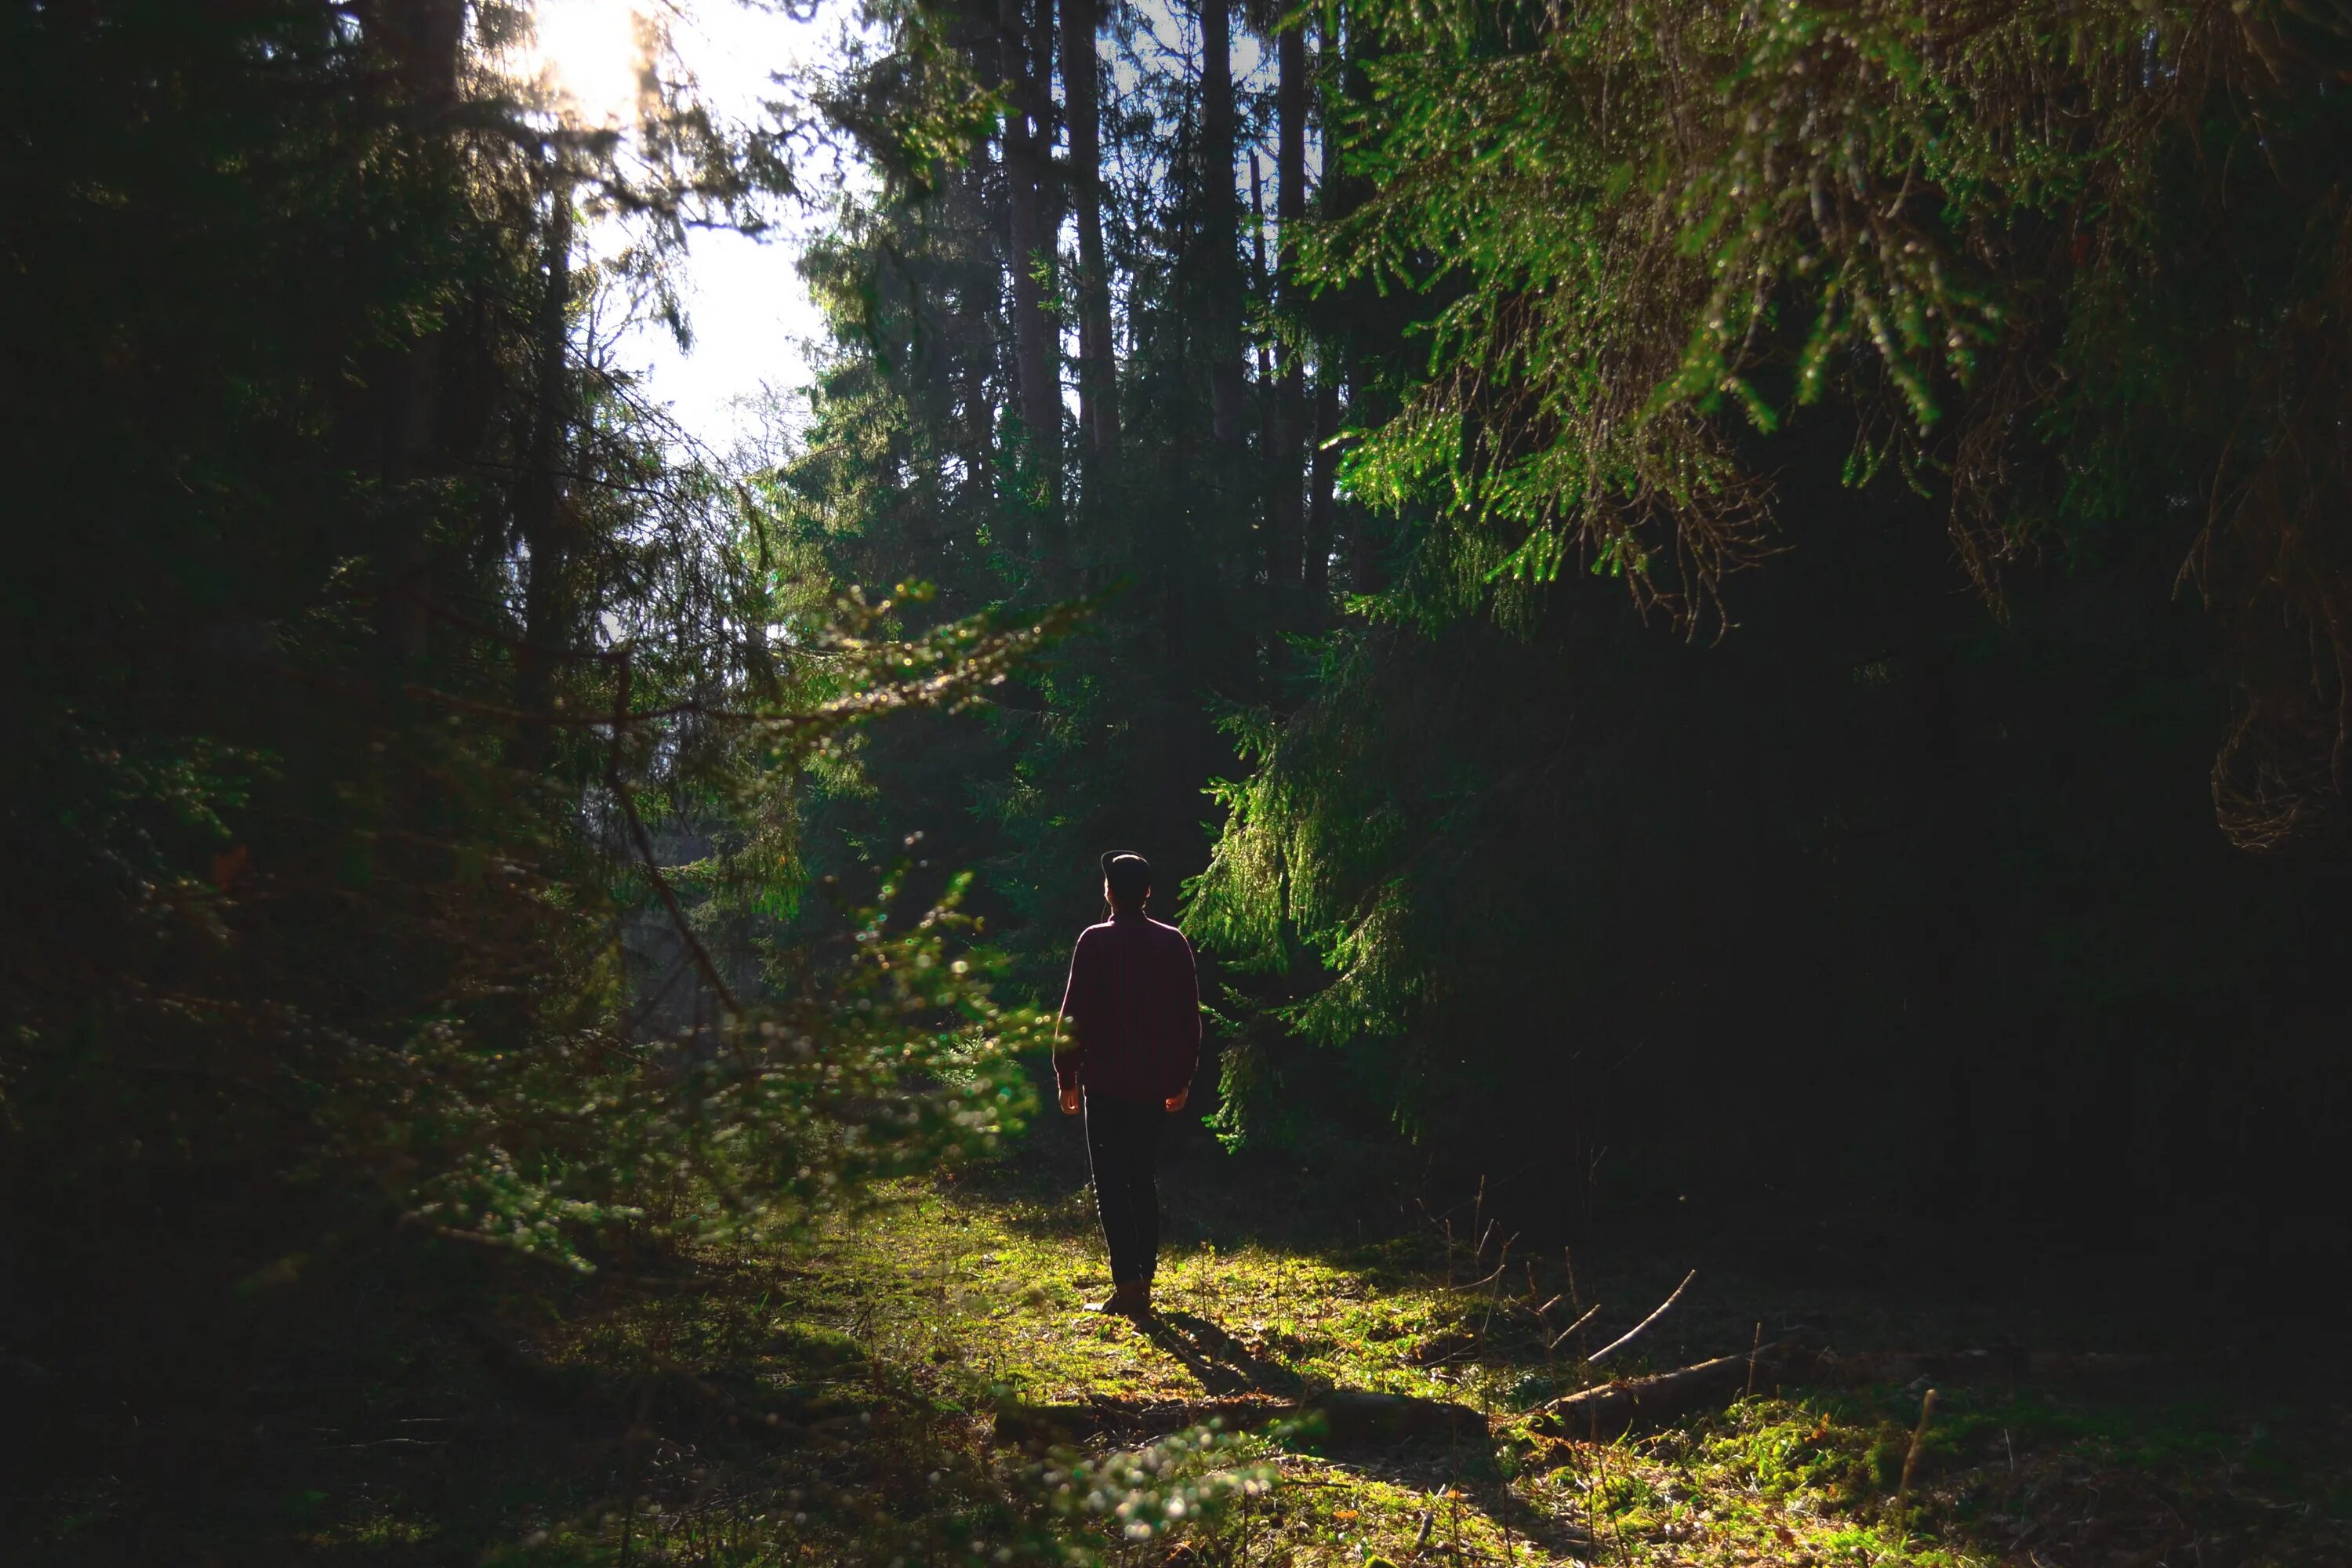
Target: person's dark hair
[(1130, 876)]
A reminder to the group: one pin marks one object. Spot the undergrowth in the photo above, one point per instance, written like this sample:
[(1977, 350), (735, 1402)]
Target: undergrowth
[(837, 1404)]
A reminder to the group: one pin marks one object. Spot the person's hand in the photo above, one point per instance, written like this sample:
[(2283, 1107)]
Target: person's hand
[(1071, 1101), (1176, 1101)]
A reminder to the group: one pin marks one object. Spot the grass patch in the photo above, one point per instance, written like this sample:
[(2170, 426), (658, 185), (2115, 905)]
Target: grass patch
[(835, 1405)]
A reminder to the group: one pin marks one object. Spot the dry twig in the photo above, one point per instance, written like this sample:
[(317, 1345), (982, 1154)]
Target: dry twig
[(1636, 1331)]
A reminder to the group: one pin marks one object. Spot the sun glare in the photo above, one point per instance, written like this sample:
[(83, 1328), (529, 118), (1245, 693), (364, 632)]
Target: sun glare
[(587, 53)]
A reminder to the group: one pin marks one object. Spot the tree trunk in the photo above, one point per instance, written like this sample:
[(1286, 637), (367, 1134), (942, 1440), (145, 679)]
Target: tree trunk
[(979, 446), (1258, 279), (539, 510), (422, 41), (980, 364), (1221, 277), (1037, 384), (1276, 617), (1284, 523), (1322, 501), (1366, 572), (1098, 366), (1341, 193)]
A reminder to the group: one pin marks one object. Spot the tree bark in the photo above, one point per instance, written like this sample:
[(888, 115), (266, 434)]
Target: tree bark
[(1322, 501), (1221, 277), (1283, 523), (1260, 277), (1276, 616), (539, 510), (1098, 366), (1367, 571), (1037, 384), (422, 41), (1341, 193), (978, 361)]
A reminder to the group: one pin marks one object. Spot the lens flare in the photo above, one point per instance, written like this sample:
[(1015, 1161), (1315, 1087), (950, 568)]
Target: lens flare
[(588, 54)]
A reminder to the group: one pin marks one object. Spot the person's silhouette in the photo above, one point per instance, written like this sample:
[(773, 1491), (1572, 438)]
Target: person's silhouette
[(1132, 1023)]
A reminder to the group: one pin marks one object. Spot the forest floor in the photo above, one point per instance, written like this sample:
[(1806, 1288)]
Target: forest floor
[(845, 1405)]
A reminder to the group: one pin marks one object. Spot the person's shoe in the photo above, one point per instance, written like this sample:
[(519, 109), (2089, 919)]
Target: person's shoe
[(1128, 1298)]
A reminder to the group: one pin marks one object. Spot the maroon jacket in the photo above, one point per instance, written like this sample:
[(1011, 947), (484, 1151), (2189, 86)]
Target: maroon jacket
[(1133, 1008)]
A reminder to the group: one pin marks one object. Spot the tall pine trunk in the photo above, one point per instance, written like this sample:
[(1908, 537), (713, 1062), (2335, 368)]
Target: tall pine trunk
[(1221, 277), (1097, 368), (423, 42), (1037, 381), (1284, 523), (538, 503), (1322, 501), (977, 366), (1260, 276), (1342, 192), (1367, 541), (1279, 588)]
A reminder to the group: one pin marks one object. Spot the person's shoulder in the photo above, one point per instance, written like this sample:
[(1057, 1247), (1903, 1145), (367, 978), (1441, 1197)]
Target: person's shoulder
[(1169, 934), (1095, 932)]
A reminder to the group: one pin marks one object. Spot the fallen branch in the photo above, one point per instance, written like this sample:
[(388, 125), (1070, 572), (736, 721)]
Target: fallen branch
[(1617, 1407), (1602, 1413), (1636, 1331)]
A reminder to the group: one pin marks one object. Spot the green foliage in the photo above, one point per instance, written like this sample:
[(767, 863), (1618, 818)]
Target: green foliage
[(2064, 265), (913, 465), (1180, 1484), (1306, 865), (403, 716), (887, 1066), (1665, 281), (915, 107), (1866, 200)]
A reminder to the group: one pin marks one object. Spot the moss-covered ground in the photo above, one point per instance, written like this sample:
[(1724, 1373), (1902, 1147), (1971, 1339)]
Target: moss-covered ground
[(836, 1403)]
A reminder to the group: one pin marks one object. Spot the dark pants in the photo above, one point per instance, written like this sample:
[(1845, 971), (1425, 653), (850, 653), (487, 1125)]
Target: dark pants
[(1123, 1147)]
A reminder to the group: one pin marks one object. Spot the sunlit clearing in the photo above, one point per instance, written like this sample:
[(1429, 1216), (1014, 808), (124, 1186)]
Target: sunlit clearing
[(587, 53)]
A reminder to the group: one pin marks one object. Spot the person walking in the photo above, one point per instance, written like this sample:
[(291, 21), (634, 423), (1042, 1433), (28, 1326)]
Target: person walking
[(1132, 1016)]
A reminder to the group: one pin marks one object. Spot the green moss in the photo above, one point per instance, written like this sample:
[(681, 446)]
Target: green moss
[(837, 1400)]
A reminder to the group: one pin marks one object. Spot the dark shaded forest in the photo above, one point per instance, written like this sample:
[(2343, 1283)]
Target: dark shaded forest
[(1730, 628)]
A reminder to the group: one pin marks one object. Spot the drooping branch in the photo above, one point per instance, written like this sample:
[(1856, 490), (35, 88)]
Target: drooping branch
[(642, 841)]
